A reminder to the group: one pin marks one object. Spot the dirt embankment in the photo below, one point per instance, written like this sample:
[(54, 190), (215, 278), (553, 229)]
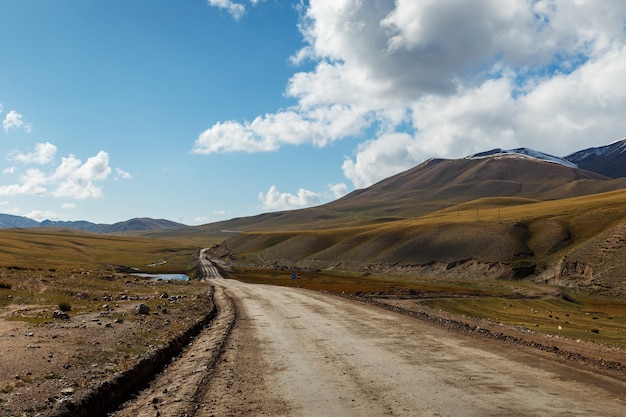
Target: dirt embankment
[(102, 350), (98, 400)]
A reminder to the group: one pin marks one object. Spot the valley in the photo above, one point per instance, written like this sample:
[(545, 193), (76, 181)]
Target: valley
[(519, 257)]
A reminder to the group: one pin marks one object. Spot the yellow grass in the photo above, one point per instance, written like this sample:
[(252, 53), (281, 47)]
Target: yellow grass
[(38, 249)]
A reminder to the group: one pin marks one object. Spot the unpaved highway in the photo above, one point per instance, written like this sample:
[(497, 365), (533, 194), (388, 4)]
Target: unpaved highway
[(294, 352)]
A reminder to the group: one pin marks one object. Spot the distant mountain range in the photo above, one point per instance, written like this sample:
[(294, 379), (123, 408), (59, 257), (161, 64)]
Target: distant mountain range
[(430, 186), (137, 224)]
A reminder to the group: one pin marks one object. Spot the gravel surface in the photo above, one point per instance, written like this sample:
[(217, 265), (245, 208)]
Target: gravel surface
[(301, 353)]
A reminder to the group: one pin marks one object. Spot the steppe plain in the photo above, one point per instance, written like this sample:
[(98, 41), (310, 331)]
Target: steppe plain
[(543, 276)]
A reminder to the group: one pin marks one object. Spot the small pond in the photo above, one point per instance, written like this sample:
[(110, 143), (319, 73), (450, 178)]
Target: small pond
[(164, 277)]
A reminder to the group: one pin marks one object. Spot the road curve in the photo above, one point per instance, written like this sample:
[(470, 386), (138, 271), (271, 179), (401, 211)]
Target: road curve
[(293, 352)]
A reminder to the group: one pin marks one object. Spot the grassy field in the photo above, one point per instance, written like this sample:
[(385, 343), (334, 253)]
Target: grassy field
[(71, 250), (545, 230)]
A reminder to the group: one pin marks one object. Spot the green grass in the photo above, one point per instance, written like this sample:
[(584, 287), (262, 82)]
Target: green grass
[(600, 321), (344, 282)]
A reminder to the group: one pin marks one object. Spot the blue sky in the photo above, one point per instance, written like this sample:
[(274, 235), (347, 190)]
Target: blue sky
[(204, 110)]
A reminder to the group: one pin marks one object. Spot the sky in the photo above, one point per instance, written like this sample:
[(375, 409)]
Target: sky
[(204, 110)]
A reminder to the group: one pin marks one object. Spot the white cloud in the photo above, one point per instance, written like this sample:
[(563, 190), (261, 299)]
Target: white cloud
[(236, 10), (71, 178), (8, 170), (382, 157), (13, 120), (44, 153), (444, 78), (275, 200), (32, 183), (41, 215), (68, 206), (338, 190), (121, 174), (318, 126), (77, 180)]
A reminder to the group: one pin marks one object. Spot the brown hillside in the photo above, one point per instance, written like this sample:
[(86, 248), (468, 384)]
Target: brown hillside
[(433, 186), (581, 241)]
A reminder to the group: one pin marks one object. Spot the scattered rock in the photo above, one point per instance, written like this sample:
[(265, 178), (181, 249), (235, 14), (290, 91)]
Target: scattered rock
[(58, 314), (67, 391), (142, 309)]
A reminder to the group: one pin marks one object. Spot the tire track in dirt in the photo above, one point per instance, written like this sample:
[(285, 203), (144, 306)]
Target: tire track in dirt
[(176, 390)]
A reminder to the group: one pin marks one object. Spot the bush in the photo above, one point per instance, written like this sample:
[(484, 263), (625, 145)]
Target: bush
[(5, 285), (65, 306)]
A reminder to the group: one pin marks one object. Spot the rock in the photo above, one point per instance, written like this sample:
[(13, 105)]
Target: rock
[(142, 309), (164, 295), (67, 391), (58, 314)]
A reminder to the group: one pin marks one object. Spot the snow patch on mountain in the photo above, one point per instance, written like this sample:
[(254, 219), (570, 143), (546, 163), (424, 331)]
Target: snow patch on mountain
[(523, 153), (615, 147)]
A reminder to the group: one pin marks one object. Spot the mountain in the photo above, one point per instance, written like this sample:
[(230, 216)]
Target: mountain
[(144, 223), (527, 153), (436, 185), (609, 160), (439, 183), (137, 224), (501, 214), (9, 220)]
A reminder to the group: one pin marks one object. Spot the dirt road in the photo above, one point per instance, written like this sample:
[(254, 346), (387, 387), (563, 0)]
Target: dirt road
[(299, 353)]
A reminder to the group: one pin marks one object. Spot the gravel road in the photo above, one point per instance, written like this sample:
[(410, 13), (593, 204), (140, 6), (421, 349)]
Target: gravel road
[(294, 352)]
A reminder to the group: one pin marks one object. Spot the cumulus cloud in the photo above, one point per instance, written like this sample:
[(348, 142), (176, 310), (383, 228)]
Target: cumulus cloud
[(77, 180), (318, 126), (275, 200), (44, 153), (338, 190), (72, 178), (413, 80), (235, 9), (32, 182), (13, 120)]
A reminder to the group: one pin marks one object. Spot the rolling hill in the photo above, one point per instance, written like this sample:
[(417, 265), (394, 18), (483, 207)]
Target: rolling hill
[(502, 215), (438, 185)]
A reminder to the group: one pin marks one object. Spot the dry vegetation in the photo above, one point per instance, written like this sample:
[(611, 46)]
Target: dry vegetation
[(552, 268), (89, 277)]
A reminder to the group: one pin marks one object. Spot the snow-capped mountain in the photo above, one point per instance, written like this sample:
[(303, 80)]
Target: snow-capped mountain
[(524, 153), (608, 160)]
